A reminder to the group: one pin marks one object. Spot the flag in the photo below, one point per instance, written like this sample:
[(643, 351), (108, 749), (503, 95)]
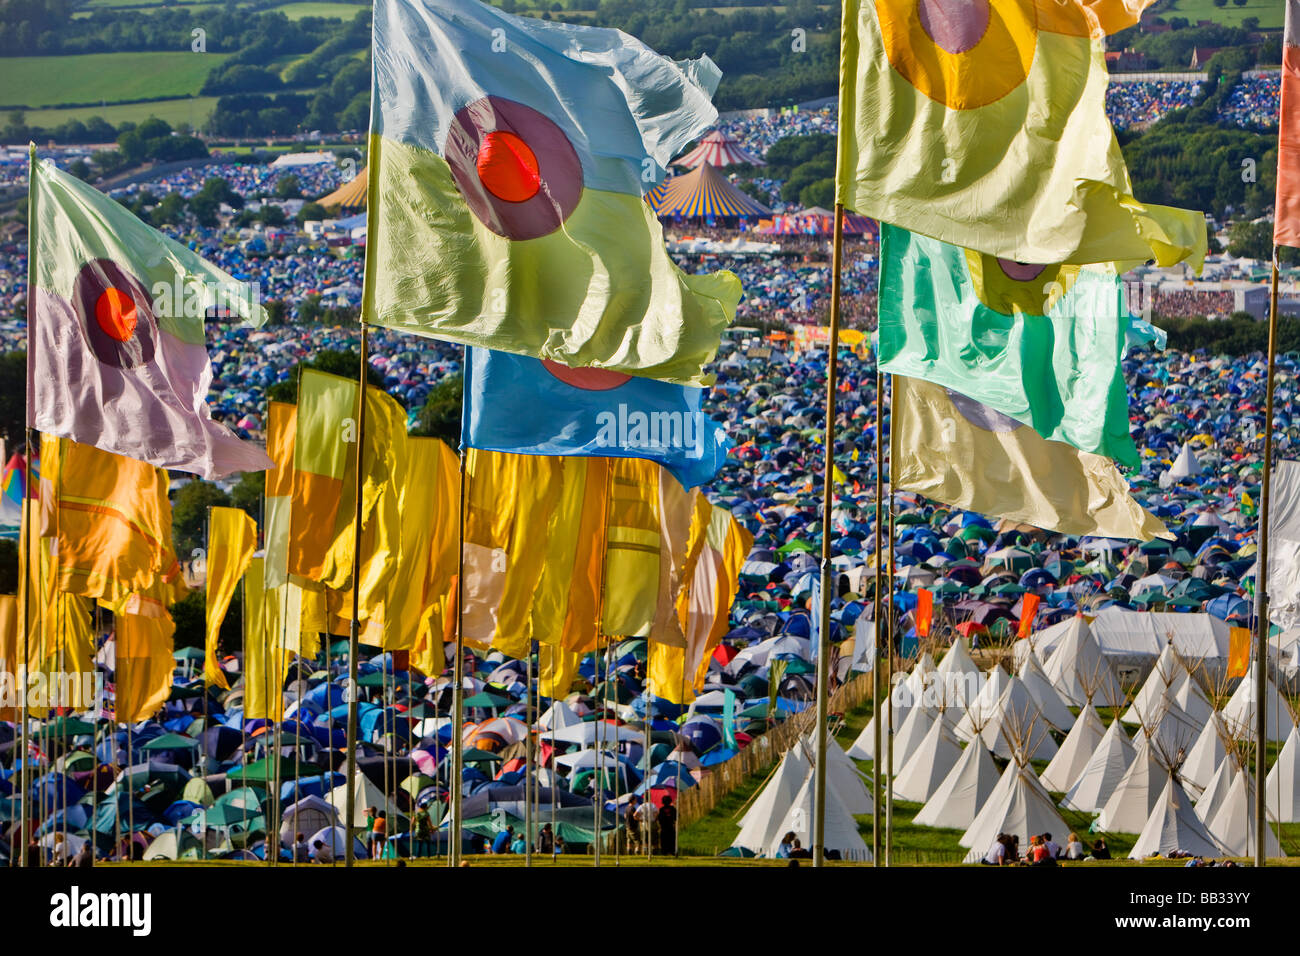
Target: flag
[(281, 426), (729, 719), (323, 494), (924, 612), (111, 519), (1028, 608), (13, 489), (1238, 651), (116, 353), (1286, 208), (142, 673), (957, 451), (530, 406), (1040, 344), (508, 157), (264, 657), (984, 125), (232, 538)]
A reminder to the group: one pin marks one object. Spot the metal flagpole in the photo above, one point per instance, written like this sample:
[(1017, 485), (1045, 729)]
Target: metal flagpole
[(458, 669), (349, 852), (1261, 578), (29, 605), (889, 667), (824, 641), (528, 758), (876, 763)]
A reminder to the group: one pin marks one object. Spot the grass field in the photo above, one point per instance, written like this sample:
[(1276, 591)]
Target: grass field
[(38, 81), (192, 110), (298, 11), (1269, 12)]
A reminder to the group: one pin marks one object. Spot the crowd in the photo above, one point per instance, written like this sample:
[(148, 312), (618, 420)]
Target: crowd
[(1143, 102), (247, 179), (1187, 302), (1254, 102)]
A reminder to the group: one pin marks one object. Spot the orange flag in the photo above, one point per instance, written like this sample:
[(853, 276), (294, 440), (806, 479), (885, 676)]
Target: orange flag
[(1028, 608), (1286, 212), (924, 612), (1239, 646)]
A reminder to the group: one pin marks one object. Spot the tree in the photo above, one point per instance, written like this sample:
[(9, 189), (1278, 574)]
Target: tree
[(440, 416), (312, 212), (248, 491), (190, 515), (288, 187), (272, 215), (81, 169)]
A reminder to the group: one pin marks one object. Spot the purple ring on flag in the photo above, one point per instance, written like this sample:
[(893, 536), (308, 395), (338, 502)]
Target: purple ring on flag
[(980, 415), (97, 277), (558, 168)]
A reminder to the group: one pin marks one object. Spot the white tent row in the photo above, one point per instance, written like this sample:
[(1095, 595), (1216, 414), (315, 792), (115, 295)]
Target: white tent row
[(1136, 638)]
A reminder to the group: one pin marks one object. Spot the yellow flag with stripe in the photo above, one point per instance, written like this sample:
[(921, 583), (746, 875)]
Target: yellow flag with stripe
[(232, 538)]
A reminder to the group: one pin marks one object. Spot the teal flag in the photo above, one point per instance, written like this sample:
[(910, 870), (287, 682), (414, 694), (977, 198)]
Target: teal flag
[(729, 718), (1040, 344)]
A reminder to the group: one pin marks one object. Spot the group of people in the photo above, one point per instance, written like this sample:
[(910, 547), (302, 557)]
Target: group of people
[(650, 829), (1254, 102), (1138, 103), (1042, 850)]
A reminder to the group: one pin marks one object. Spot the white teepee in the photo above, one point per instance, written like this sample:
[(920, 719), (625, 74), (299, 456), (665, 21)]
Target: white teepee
[(1188, 694), (928, 766), (1167, 670), (1239, 712), (966, 788), (842, 776), (1078, 664), (773, 802), (1051, 706), (1129, 806), (958, 676), (980, 710), (1206, 754), (840, 829), (1233, 824), (1282, 785), (1173, 825), (1079, 746), (1105, 769), (1019, 806), (909, 736), (1015, 726), (1216, 791)]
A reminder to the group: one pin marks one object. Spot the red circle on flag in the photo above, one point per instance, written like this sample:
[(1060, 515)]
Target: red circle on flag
[(587, 379), (516, 169), (115, 314), (507, 167)]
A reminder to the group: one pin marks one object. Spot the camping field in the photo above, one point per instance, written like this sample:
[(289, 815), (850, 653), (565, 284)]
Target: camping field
[(1268, 12), (44, 81), (193, 110)]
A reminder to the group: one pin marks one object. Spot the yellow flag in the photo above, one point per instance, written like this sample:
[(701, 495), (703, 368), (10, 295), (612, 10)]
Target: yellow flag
[(263, 658), (1238, 652), (112, 520), (232, 538), (281, 427), (144, 664)]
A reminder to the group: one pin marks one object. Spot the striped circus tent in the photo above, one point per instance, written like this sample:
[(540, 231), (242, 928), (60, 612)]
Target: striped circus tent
[(351, 195), (706, 193), (717, 149), (656, 196)]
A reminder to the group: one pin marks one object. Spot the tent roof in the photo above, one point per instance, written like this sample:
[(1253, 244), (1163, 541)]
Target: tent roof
[(705, 192), (351, 195), (718, 149)]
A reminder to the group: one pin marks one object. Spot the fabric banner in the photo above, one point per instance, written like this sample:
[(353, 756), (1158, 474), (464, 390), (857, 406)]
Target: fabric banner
[(116, 354), (984, 125), (232, 538), (1286, 209), (508, 158)]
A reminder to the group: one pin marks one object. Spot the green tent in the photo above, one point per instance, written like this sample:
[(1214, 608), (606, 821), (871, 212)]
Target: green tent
[(171, 742)]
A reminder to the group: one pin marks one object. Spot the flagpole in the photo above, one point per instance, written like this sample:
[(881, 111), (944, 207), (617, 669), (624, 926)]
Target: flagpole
[(1261, 577), (828, 496), (458, 668), (349, 853), (28, 518), (889, 666), (877, 750)]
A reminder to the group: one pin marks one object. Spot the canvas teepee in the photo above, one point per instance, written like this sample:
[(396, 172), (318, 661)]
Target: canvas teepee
[(980, 709), (1167, 670), (1019, 806), (1206, 754), (1282, 785), (1135, 796), (773, 802), (1239, 712), (840, 829), (966, 788), (1105, 769), (1233, 824), (1078, 662), (1016, 725), (928, 766), (1051, 706), (958, 677), (1079, 746), (1173, 826)]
